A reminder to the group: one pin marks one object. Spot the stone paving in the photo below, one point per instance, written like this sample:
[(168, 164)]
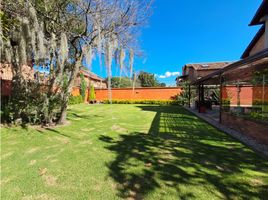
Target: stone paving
[(261, 149)]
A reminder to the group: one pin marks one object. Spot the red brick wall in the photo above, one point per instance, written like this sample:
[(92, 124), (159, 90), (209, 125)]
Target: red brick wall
[(76, 92), (139, 93), (255, 130), (248, 94), (5, 88)]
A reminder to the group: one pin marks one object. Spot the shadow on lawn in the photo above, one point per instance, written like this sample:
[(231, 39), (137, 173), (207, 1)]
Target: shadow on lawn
[(182, 150)]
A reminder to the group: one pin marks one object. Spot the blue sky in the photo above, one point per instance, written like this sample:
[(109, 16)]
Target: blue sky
[(191, 31)]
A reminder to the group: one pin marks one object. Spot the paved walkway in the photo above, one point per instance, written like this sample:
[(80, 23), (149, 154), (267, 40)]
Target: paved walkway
[(261, 149)]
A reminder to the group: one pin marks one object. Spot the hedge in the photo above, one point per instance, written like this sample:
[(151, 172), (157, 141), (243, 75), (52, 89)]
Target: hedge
[(158, 102), (75, 100)]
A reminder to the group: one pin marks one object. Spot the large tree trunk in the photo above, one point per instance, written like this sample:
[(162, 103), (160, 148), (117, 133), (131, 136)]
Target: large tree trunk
[(67, 92)]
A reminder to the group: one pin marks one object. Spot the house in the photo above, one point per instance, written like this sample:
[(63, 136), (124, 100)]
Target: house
[(260, 41), (243, 85), (91, 79), (28, 72), (193, 72), (6, 76)]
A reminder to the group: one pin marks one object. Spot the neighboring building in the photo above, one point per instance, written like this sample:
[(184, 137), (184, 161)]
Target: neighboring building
[(91, 79), (260, 41), (244, 85), (6, 76), (193, 72)]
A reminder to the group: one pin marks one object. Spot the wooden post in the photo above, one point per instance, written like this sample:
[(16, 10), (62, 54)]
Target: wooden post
[(199, 97), (220, 113), (189, 96)]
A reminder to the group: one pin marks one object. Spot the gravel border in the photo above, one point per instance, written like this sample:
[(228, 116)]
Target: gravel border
[(260, 149)]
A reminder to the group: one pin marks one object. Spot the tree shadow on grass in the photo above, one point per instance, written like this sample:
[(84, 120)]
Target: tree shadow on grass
[(182, 151)]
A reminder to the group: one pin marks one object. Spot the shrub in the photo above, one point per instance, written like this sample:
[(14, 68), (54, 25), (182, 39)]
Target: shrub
[(75, 100), (92, 95), (156, 102)]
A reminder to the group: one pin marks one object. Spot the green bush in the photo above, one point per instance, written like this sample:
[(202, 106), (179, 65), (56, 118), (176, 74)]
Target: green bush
[(156, 102), (92, 96), (75, 100)]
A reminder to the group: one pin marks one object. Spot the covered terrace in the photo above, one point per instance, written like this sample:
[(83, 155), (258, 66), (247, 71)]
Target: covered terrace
[(243, 95)]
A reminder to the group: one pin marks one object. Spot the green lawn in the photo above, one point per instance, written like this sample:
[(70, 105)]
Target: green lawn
[(129, 152)]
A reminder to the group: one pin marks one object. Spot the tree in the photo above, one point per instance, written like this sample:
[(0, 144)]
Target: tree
[(162, 85), (147, 79), (121, 82), (61, 34)]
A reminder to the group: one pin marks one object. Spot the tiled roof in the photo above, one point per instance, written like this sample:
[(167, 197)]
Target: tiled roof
[(208, 66), (91, 75), (5, 72)]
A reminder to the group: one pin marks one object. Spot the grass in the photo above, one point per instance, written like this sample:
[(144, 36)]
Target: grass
[(129, 152)]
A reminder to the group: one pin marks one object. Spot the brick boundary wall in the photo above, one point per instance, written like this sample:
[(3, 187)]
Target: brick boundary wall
[(152, 93), (248, 94), (255, 130)]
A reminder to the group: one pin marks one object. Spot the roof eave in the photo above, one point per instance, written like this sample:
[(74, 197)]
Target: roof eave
[(260, 55), (253, 42), (261, 12)]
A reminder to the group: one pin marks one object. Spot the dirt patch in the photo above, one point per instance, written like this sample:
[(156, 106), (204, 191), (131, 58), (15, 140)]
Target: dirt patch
[(52, 146), (32, 150), (42, 171), (50, 156), (53, 160), (4, 156), (50, 180), (87, 129), (47, 178), (38, 197), (97, 187), (6, 180), (85, 142), (63, 140), (118, 128), (32, 162)]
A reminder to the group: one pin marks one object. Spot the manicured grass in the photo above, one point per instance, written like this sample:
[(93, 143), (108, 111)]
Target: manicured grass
[(129, 152)]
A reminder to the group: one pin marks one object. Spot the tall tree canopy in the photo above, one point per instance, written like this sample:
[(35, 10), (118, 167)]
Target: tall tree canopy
[(148, 79)]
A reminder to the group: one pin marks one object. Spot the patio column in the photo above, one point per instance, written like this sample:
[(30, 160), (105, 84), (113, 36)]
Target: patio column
[(220, 111), (189, 96), (202, 93), (199, 97)]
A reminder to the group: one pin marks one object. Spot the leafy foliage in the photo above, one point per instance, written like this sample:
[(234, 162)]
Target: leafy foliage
[(148, 79), (121, 82), (156, 102), (75, 100), (92, 95)]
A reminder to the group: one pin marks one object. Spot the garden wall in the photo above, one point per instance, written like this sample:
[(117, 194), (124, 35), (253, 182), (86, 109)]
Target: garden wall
[(76, 92), (248, 94), (157, 93), (253, 129)]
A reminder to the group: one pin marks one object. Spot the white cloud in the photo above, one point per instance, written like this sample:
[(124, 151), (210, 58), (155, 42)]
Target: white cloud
[(169, 74)]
